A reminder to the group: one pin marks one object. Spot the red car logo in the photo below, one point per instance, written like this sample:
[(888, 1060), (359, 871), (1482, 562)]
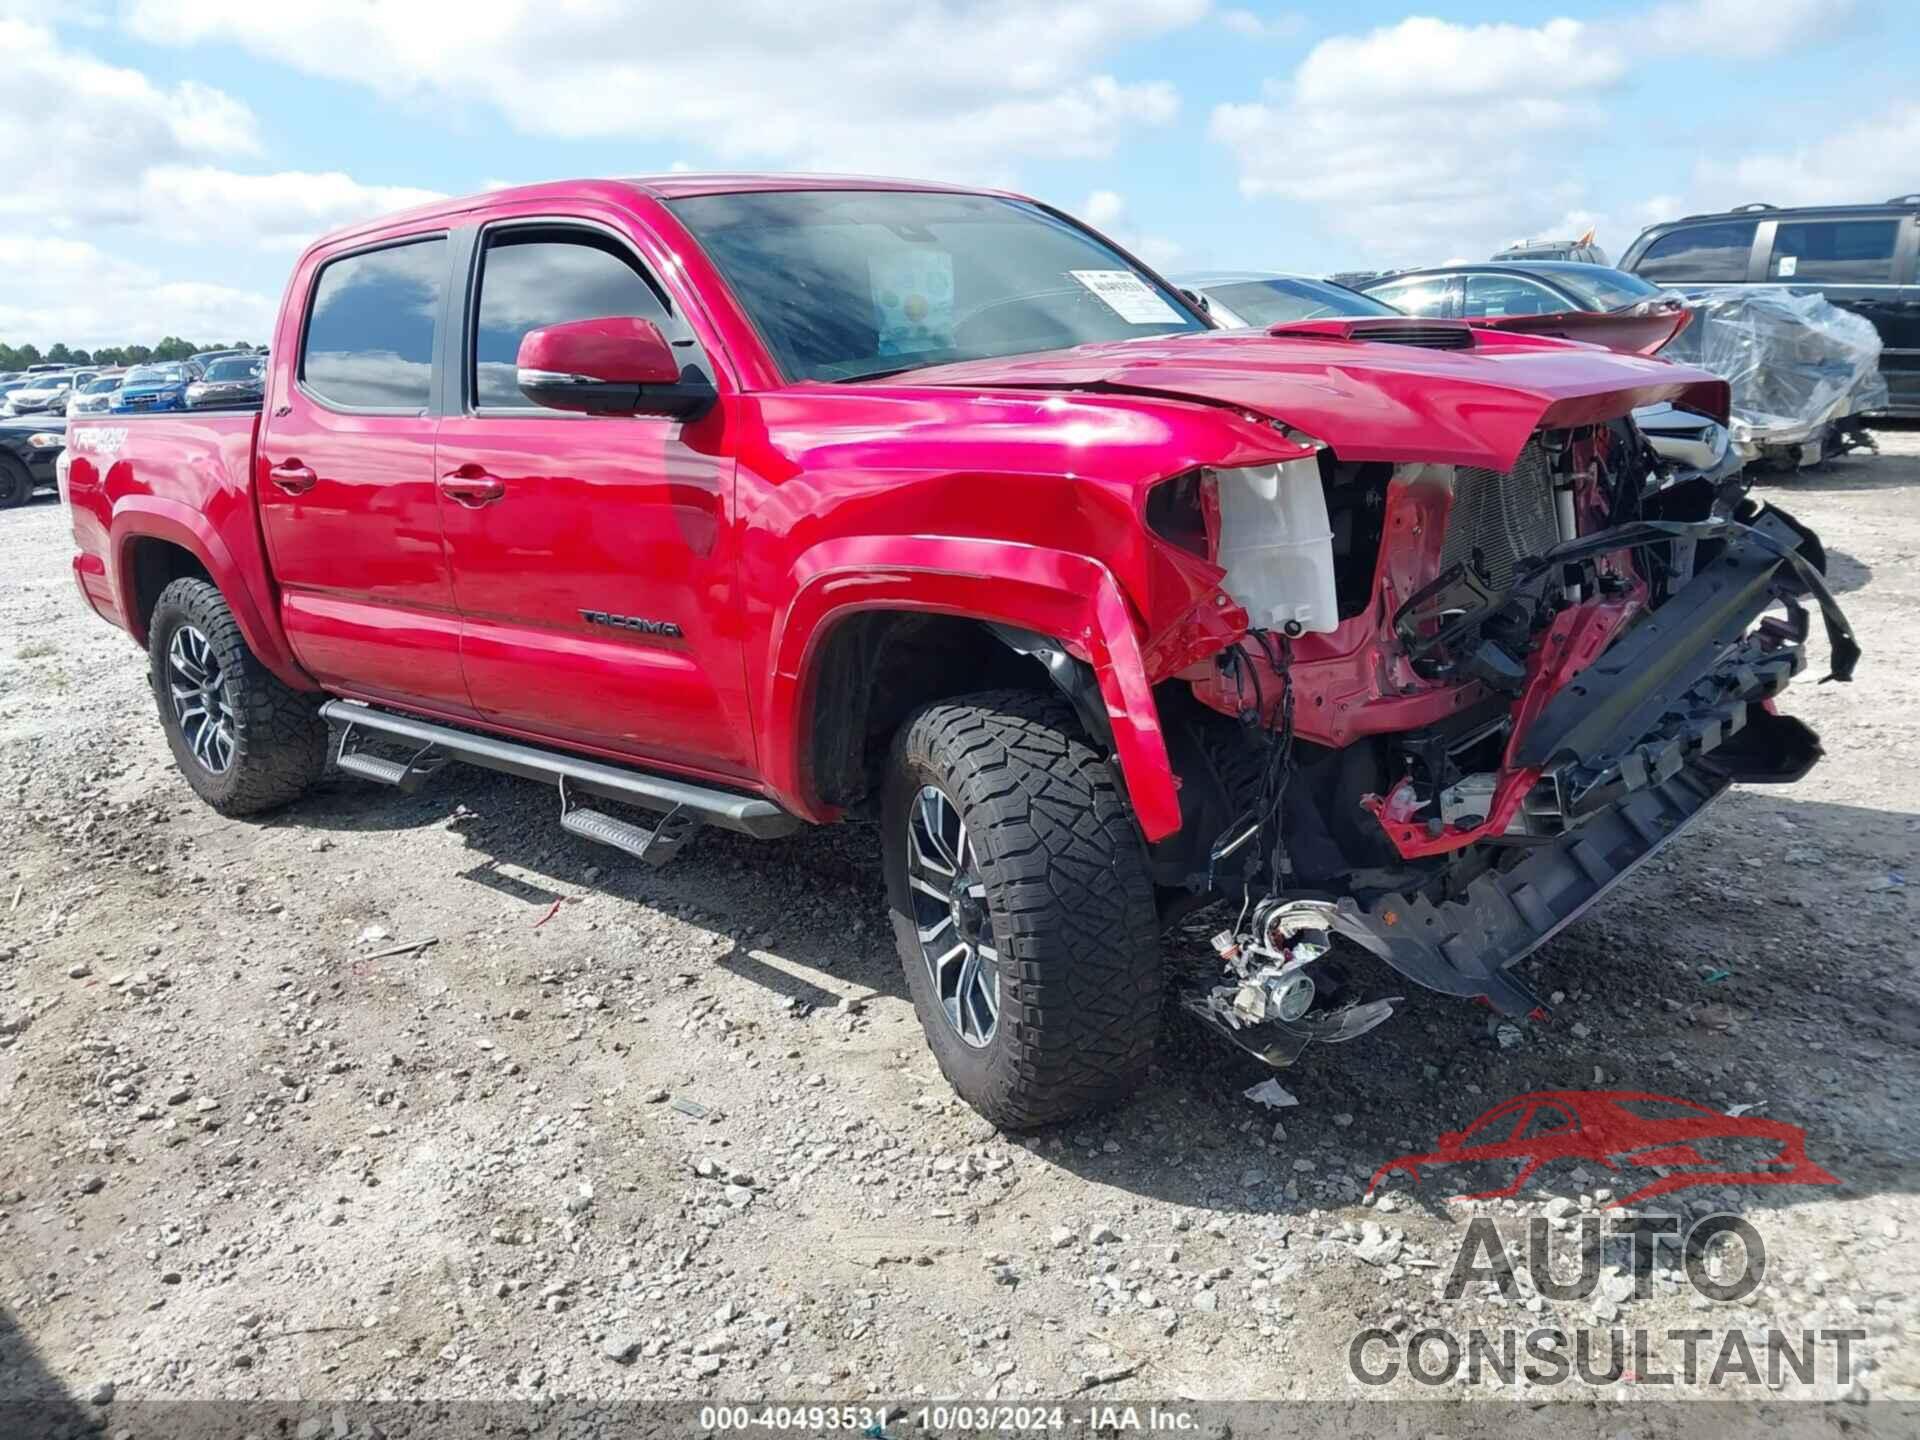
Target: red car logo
[(1624, 1130)]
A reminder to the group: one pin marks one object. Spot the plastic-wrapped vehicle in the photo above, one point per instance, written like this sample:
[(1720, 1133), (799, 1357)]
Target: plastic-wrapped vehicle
[(1802, 369)]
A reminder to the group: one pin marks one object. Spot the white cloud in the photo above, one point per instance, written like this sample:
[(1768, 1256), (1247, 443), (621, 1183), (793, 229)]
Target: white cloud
[(83, 131), (86, 297), (107, 155), (281, 211), (1740, 29), (1870, 160), (1427, 136), (1103, 207), (932, 88), (1106, 211), (1283, 26)]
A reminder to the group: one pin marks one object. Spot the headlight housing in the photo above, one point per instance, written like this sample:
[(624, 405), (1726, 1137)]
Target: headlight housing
[(47, 440)]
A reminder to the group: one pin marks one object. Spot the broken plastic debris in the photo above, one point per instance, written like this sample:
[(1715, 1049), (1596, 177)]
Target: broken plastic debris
[(1272, 1094), (1893, 880), (1739, 1110), (688, 1107), (1714, 977)]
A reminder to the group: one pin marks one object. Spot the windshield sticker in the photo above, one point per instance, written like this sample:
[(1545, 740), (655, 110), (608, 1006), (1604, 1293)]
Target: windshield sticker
[(912, 300), (1128, 296), (1788, 265)]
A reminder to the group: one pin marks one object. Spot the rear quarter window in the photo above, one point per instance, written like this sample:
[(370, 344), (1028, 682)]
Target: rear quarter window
[(1713, 254), (372, 327), (1858, 252)]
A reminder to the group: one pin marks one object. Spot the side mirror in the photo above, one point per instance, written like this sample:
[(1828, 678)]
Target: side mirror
[(616, 365)]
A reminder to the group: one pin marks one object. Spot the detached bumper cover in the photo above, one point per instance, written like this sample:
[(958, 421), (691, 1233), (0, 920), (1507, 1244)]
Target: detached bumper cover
[(1637, 748), (1465, 946)]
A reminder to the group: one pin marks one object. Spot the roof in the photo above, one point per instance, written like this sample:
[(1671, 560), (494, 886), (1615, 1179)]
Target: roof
[(676, 186), (1760, 210)]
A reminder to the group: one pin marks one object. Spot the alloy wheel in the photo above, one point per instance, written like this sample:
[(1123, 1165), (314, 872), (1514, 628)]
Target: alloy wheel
[(197, 688), (951, 918)]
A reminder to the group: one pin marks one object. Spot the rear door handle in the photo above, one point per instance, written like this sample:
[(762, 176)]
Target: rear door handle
[(472, 487), (293, 477)]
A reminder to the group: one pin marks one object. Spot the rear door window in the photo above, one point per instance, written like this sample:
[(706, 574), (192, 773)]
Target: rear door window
[(1700, 254), (1843, 252), (372, 328), (1489, 295)]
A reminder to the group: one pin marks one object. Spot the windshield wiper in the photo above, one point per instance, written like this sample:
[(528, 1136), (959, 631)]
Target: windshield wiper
[(875, 374)]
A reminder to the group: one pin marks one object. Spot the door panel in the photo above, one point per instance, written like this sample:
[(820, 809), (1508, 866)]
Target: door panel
[(591, 556), (348, 500), (608, 517)]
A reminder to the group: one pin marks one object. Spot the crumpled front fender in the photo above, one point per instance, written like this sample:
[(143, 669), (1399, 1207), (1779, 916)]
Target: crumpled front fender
[(1068, 597)]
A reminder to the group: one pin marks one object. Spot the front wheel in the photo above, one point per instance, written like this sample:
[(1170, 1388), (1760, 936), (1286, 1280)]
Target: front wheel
[(1023, 908), (244, 741), (16, 483)]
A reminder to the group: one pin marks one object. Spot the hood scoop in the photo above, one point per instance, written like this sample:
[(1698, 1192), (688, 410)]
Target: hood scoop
[(1384, 330)]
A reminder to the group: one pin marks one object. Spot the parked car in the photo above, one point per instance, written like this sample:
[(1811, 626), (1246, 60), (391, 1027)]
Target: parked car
[(154, 387), (29, 447), (1583, 250), (1569, 299), (232, 380), (96, 395), (1240, 298), (759, 501), (46, 392), (206, 357), (1860, 257)]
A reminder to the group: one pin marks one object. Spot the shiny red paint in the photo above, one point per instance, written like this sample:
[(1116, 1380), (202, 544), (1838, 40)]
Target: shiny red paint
[(615, 348), (450, 562)]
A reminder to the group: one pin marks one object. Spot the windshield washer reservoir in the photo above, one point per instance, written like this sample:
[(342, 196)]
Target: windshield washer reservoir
[(1277, 546)]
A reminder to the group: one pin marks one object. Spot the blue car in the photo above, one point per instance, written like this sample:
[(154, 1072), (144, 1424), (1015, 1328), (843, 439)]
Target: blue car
[(154, 387)]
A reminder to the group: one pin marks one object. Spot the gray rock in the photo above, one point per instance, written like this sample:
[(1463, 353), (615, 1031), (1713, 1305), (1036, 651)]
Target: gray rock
[(620, 1348)]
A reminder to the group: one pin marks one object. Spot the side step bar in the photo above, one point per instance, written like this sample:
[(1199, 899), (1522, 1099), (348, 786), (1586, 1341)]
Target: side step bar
[(686, 802)]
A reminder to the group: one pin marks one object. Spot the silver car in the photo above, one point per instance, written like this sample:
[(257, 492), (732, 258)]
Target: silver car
[(94, 397)]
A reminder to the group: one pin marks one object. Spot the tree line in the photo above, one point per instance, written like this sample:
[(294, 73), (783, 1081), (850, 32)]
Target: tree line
[(18, 357)]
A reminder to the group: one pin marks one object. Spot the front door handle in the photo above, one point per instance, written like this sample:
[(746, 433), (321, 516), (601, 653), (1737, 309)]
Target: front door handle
[(293, 477), (472, 487)]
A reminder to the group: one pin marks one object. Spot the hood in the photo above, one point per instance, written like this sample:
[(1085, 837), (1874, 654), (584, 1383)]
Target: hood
[(1389, 389)]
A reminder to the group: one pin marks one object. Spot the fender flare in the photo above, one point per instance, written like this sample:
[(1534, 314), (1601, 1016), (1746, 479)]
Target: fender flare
[(154, 517), (1053, 596)]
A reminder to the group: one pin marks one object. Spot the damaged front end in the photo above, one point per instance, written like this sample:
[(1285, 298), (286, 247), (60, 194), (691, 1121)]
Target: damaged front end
[(1471, 702)]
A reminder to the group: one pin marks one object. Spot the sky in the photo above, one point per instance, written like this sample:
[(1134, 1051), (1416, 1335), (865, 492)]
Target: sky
[(167, 161)]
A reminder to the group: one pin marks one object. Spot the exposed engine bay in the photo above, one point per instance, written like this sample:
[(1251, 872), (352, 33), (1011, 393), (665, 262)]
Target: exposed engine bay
[(1468, 703)]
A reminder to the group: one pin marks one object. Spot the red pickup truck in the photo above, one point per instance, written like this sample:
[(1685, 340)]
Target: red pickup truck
[(759, 501)]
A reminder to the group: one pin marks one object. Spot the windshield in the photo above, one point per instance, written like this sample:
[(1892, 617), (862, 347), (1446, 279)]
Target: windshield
[(104, 384), (851, 284), (157, 375), (1285, 298), (237, 369), (1599, 289)]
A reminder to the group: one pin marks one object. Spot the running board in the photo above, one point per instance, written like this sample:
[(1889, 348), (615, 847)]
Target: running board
[(698, 804), (656, 846)]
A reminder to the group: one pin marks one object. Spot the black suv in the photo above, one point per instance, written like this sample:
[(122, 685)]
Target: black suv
[(1861, 257)]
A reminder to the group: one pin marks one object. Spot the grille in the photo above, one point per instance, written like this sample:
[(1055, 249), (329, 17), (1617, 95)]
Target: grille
[(1497, 519), (139, 402)]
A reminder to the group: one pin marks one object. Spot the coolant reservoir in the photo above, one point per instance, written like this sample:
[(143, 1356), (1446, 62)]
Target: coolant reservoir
[(1277, 546)]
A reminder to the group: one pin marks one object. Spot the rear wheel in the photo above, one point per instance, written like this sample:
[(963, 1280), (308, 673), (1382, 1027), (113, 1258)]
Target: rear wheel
[(1023, 908), (244, 741), (16, 483)]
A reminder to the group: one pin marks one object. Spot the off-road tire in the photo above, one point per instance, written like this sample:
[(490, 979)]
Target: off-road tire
[(16, 483), (1071, 902), (280, 741)]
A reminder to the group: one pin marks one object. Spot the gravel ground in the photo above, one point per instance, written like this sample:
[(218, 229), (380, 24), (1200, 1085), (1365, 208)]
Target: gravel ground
[(620, 1132)]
